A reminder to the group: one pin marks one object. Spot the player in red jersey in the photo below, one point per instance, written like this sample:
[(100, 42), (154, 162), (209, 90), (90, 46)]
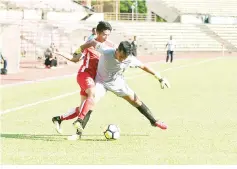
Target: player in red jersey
[(85, 78)]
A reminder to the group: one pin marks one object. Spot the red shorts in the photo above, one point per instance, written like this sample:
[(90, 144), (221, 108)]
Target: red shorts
[(85, 81)]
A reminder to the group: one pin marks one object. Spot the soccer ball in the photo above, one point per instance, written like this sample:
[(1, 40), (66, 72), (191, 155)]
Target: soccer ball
[(112, 132)]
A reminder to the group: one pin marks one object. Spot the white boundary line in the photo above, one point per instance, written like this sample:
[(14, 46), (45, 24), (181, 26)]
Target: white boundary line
[(38, 80), (72, 93), (39, 102)]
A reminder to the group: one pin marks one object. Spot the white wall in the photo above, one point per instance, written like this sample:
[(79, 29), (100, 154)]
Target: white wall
[(65, 16), (222, 20), (96, 17), (11, 14), (192, 19), (32, 14), (10, 46)]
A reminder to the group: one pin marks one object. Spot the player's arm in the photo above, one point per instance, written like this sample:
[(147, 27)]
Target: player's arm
[(93, 43), (136, 63), (163, 81), (76, 57), (88, 44)]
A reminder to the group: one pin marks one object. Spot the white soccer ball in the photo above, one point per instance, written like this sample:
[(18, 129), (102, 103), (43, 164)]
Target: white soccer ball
[(112, 132)]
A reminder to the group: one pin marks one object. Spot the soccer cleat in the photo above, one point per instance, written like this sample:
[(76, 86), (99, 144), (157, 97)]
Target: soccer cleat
[(160, 124), (57, 122), (74, 137), (78, 125)]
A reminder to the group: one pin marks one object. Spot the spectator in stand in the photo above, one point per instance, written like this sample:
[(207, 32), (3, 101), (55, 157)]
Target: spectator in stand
[(50, 60)]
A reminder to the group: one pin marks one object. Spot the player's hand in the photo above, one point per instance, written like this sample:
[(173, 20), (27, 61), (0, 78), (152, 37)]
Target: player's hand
[(78, 51), (163, 81)]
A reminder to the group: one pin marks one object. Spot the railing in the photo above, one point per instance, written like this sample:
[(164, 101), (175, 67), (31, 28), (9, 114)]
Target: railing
[(129, 17)]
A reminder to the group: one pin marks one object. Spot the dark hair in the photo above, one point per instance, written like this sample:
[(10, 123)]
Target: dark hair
[(126, 47), (93, 29), (102, 26)]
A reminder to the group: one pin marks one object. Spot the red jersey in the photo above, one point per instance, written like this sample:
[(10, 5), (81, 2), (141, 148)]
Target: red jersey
[(91, 59), (90, 62)]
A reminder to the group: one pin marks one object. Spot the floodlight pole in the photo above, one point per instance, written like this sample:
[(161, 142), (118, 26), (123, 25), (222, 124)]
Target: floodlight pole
[(136, 4), (132, 12), (117, 9)]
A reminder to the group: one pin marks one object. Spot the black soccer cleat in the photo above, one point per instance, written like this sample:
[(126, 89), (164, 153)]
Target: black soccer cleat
[(57, 122)]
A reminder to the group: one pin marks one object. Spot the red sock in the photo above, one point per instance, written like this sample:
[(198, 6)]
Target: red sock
[(85, 107), (70, 114)]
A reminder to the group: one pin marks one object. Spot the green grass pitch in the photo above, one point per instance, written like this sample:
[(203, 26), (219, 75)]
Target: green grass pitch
[(200, 110)]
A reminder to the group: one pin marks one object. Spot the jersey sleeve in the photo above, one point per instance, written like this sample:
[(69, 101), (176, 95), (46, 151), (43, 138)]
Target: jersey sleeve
[(104, 50), (135, 62), (109, 52)]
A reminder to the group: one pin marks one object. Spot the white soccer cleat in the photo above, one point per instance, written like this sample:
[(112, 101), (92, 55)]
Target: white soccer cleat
[(73, 137), (76, 136), (58, 128)]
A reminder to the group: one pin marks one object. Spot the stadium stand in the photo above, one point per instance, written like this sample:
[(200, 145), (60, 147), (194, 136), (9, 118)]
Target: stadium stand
[(188, 36), (2, 6), (153, 36), (173, 10), (65, 23), (52, 5), (227, 32), (46, 9), (36, 37), (212, 7)]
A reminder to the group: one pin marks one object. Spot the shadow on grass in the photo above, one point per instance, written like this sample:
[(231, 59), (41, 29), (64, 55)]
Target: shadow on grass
[(34, 137), (54, 137)]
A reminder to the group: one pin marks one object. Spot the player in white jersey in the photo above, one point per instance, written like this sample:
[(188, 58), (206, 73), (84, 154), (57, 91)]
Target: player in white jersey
[(112, 64)]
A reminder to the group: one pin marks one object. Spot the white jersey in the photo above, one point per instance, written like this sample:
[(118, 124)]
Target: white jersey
[(171, 45), (110, 70), (110, 74)]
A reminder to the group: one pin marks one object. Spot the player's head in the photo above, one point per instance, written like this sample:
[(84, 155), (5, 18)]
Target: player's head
[(171, 37), (103, 31), (123, 51), (93, 31)]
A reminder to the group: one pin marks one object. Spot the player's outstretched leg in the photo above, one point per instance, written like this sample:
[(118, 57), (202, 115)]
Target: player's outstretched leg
[(57, 120), (147, 113), (136, 102)]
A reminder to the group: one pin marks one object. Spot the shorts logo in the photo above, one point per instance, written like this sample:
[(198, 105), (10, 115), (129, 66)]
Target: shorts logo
[(89, 82)]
